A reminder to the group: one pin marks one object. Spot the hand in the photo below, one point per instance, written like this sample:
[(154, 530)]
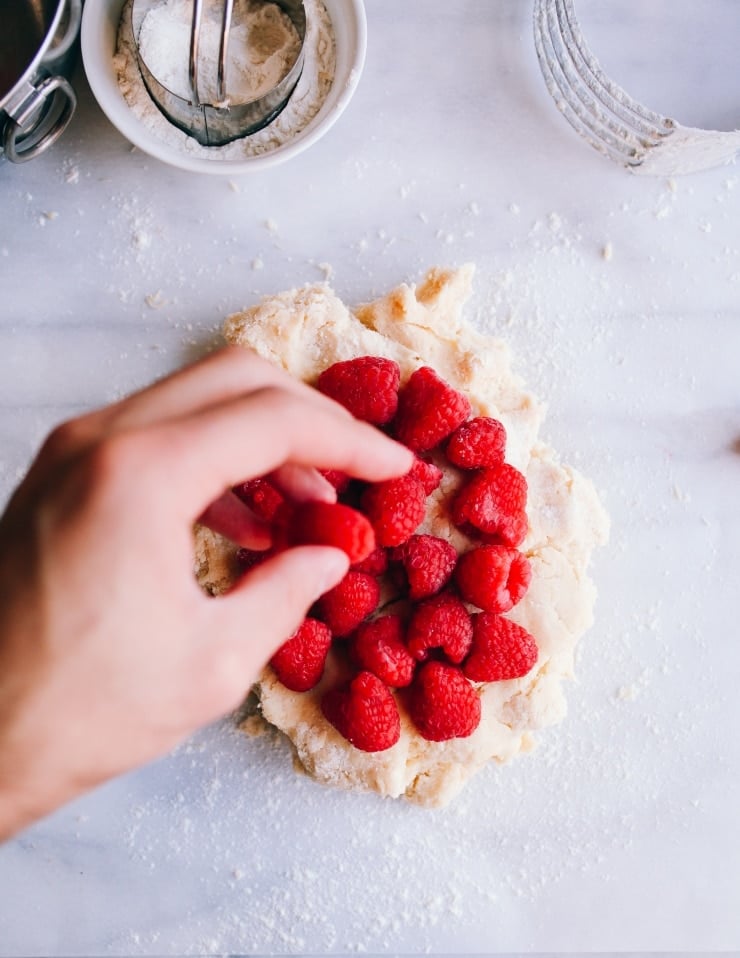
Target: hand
[(109, 652)]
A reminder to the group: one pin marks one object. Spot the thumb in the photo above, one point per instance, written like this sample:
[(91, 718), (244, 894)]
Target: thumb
[(271, 601)]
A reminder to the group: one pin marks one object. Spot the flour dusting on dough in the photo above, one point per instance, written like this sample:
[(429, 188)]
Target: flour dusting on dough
[(305, 331)]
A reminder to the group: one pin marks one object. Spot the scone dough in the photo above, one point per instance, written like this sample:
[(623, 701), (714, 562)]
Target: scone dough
[(305, 331)]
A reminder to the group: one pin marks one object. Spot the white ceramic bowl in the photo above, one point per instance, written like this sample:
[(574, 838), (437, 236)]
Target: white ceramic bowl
[(100, 20)]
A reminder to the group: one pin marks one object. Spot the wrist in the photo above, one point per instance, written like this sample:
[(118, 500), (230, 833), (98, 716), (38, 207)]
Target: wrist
[(30, 784)]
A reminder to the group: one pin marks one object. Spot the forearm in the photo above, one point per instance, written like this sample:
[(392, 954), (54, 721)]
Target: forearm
[(19, 807), (26, 795), (37, 770)]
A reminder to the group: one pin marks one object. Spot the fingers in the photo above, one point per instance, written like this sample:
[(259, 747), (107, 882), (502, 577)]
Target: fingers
[(230, 417), (269, 603), (303, 483), (226, 374), (228, 516), (257, 434), (231, 518), (230, 372)]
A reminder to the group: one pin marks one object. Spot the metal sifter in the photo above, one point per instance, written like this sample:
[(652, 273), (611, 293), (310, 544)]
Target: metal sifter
[(207, 102)]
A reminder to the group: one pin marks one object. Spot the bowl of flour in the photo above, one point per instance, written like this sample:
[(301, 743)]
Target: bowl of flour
[(334, 55)]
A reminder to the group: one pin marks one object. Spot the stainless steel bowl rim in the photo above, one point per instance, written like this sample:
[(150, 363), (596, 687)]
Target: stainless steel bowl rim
[(34, 65), (37, 92)]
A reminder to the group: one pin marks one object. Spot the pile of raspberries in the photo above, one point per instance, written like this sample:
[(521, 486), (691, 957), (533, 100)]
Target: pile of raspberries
[(443, 631)]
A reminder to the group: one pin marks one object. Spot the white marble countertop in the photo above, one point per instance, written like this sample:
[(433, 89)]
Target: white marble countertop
[(620, 297)]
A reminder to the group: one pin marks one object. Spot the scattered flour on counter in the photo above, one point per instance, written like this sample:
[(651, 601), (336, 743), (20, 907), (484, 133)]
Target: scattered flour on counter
[(71, 175), (264, 885), (306, 101)]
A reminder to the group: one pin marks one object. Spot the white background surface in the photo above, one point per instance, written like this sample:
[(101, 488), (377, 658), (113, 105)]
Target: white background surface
[(621, 832)]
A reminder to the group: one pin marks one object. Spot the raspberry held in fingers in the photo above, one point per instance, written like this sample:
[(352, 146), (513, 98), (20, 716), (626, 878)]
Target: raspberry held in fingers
[(329, 524), (261, 496), (340, 480)]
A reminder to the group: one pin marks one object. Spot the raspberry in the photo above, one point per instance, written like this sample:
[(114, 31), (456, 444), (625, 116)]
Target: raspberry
[(442, 703), (375, 564), (441, 622), (493, 577), (397, 580), (250, 558), (348, 603), (427, 474), (477, 443), (494, 501), (428, 561), (429, 409), (378, 647), (261, 496), (328, 524), (299, 662), (395, 508), (365, 713), (366, 386), (340, 480), (501, 649)]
